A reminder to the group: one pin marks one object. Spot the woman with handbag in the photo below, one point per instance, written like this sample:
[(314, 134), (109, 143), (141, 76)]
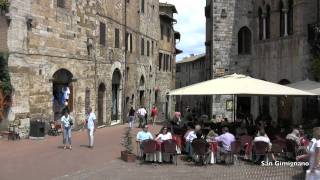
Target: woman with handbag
[(67, 123)]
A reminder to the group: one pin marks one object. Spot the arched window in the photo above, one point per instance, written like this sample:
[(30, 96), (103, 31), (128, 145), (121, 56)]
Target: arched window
[(268, 22), (260, 21), (290, 17), (281, 18), (244, 41)]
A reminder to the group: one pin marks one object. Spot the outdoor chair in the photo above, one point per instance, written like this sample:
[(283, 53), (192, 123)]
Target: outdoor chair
[(235, 150), (278, 148), (169, 148), (148, 147), (260, 148), (199, 147), (291, 149)]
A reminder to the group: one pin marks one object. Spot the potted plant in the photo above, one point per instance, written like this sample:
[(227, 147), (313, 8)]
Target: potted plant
[(127, 154), (5, 86)]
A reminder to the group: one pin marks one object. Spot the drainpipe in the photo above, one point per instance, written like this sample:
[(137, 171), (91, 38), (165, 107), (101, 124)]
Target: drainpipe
[(125, 65)]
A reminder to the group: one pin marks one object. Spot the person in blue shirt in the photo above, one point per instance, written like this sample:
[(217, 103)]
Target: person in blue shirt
[(144, 135)]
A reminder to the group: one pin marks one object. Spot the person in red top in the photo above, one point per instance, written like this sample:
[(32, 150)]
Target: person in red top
[(154, 114)]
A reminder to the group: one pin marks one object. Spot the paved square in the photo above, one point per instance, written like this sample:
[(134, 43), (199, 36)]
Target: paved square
[(45, 159)]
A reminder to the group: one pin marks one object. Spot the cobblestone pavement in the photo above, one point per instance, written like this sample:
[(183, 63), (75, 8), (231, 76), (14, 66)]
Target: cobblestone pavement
[(118, 170), (45, 159)]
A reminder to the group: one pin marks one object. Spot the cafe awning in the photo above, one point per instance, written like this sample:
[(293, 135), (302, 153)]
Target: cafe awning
[(238, 84)]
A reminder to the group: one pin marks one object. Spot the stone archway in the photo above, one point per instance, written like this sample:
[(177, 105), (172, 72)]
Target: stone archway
[(101, 100), (116, 83), (285, 107), (62, 91)]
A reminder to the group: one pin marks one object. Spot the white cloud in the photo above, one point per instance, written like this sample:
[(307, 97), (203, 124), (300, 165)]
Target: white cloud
[(191, 24)]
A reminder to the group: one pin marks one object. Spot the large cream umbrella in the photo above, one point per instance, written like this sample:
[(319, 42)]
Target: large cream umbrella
[(238, 84), (306, 85)]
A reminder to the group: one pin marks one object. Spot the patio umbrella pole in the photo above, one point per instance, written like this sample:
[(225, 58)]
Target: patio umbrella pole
[(234, 108)]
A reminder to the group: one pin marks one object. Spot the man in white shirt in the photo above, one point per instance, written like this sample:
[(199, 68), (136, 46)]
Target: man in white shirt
[(262, 137), (225, 139), (142, 115), (91, 123)]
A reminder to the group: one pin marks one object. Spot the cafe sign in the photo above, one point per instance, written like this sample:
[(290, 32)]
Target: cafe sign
[(219, 72)]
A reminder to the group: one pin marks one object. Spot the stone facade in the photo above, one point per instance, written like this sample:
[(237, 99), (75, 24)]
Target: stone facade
[(94, 47), (191, 70), (165, 71), (265, 39)]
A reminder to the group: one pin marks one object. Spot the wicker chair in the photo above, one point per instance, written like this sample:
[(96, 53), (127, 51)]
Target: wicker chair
[(169, 148), (148, 147), (199, 147), (260, 148)]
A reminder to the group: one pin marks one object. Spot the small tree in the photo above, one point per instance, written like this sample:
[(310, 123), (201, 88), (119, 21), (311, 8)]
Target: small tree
[(127, 140), (4, 6)]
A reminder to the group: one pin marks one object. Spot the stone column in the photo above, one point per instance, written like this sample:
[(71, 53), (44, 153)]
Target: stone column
[(285, 11)]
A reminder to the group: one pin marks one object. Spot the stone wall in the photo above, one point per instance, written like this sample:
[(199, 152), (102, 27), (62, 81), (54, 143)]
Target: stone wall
[(273, 59), (44, 38)]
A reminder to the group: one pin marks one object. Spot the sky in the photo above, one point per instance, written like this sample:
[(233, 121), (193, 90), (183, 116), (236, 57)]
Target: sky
[(191, 24)]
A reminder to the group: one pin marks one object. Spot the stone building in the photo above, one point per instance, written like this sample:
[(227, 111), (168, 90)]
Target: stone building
[(105, 52), (266, 39), (165, 72), (191, 70)]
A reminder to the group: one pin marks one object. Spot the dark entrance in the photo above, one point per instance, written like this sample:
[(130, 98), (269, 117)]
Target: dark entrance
[(101, 100), (61, 80), (141, 91), (116, 79), (243, 107), (285, 107)]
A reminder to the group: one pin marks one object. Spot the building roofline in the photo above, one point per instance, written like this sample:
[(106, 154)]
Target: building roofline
[(191, 58), (173, 7)]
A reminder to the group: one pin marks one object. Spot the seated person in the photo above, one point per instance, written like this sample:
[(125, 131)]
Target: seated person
[(225, 139), (272, 130), (164, 135), (144, 135), (295, 136), (211, 135), (242, 130), (199, 137), (189, 137), (262, 137)]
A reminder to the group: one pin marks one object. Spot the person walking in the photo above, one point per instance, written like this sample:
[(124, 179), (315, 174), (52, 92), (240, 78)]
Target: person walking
[(67, 123), (131, 117), (154, 114), (91, 123), (142, 115)]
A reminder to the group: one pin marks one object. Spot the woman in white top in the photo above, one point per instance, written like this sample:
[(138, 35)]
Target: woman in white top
[(164, 135), (67, 122)]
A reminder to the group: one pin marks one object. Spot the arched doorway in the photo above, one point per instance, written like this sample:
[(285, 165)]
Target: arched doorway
[(116, 80), (141, 91), (62, 91), (285, 107), (101, 100)]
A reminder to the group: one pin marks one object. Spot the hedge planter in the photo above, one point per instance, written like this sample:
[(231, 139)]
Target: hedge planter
[(128, 157)]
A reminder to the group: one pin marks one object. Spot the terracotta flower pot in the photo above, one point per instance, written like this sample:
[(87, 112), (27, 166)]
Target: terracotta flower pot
[(128, 157)]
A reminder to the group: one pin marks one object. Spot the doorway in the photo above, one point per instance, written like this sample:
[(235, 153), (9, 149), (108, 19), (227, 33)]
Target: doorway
[(141, 92), (101, 100), (116, 79), (243, 107), (62, 91), (285, 107)]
